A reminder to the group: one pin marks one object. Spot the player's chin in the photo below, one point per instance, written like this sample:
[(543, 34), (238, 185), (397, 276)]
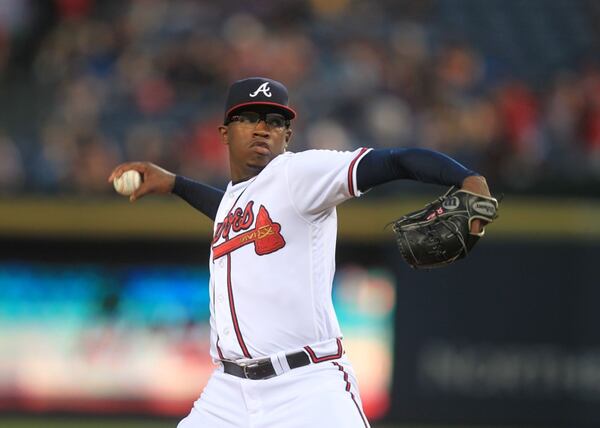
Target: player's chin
[(259, 160)]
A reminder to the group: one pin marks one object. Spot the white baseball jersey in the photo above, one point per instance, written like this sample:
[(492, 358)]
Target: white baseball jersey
[(273, 256)]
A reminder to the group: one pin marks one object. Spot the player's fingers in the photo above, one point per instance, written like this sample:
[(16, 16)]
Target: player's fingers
[(140, 167), (118, 171), (114, 173)]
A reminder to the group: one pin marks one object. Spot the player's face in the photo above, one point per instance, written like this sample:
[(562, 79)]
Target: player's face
[(254, 137)]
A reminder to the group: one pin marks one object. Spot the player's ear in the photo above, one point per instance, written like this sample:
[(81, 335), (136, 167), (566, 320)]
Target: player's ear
[(223, 132), (287, 137)]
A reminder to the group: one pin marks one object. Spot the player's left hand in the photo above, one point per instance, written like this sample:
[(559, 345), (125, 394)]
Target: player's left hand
[(478, 185), (444, 231)]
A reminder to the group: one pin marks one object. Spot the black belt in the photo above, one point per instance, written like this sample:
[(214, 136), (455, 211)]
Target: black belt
[(263, 369)]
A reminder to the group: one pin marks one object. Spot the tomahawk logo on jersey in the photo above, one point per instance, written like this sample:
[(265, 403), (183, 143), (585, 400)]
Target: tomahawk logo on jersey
[(266, 234), (284, 222)]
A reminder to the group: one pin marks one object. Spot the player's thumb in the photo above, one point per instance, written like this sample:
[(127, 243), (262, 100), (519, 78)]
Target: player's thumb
[(144, 189), (478, 227)]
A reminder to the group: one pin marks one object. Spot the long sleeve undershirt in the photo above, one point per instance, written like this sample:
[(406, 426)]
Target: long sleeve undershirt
[(376, 167), (203, 197), (427, 166)]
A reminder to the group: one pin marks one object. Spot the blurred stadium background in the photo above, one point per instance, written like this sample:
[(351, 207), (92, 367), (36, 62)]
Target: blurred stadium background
[(103, 304)]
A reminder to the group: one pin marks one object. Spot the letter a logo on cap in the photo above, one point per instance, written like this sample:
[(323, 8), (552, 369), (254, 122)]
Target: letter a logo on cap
[(264, 88)]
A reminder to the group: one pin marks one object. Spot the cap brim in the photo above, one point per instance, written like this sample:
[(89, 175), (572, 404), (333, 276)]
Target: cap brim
[(288, 112)]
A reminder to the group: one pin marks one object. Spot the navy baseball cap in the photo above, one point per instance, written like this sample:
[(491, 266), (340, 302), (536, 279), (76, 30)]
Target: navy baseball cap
[(258, 91)]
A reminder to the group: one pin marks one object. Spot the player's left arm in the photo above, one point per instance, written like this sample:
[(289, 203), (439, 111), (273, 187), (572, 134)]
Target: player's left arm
[(427, 166)]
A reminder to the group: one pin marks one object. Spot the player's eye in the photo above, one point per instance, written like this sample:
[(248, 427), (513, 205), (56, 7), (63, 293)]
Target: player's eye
[(275, 120), (249, 117)]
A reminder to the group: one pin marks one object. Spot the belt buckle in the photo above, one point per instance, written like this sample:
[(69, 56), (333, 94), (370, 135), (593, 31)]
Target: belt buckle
[(249, 365)]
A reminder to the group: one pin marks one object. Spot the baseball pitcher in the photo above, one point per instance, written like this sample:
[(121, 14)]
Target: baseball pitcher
[(274, 333)]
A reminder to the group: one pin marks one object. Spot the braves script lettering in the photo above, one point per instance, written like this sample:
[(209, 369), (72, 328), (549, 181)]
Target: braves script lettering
[(236, 221)]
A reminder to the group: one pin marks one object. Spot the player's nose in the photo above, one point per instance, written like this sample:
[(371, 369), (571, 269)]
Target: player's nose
[(261, 129)]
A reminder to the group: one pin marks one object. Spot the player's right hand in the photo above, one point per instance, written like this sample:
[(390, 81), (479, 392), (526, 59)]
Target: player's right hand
[(154, 178)]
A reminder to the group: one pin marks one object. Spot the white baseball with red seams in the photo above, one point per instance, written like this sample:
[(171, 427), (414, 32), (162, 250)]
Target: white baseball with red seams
[(128, 182), (271, 272)]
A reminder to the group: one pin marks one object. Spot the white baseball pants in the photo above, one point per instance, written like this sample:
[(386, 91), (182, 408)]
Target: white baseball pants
[(318, 395)]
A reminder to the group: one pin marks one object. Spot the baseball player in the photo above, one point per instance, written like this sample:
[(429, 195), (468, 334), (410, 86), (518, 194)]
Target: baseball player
[(274, 333)]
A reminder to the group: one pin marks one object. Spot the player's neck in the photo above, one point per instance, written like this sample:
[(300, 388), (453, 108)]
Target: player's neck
[(243, 174)]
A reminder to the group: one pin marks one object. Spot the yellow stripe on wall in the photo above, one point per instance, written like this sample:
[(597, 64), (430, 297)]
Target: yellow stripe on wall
[(362, 219), (519, 217)]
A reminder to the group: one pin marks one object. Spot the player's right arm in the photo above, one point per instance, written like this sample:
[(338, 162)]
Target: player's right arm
[(157, 180), (203, 197)]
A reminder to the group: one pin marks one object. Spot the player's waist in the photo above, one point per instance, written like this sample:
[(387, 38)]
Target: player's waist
[(282, 362)]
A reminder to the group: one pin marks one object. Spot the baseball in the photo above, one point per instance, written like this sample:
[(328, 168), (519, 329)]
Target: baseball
[(128, 182)]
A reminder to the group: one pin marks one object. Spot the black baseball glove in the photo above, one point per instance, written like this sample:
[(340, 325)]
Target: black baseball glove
[(439, 234)]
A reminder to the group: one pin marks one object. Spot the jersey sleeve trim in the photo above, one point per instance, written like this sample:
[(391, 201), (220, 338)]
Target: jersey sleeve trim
[(352, 185)]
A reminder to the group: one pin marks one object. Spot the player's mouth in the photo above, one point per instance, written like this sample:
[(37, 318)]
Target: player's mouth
[(261, 147)]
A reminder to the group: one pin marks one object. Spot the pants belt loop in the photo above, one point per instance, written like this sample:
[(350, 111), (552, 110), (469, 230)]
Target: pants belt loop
[(277, 365), (282, 359)]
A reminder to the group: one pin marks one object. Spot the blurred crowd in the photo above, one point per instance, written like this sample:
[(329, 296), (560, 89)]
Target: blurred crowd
[(87, 84)]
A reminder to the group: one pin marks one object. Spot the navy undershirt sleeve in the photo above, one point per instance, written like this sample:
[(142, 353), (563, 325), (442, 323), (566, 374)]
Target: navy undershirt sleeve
[(204, 198), (428, 166)]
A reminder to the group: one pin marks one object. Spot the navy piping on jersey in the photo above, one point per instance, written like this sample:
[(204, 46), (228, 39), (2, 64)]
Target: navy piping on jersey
[(348, 385)]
